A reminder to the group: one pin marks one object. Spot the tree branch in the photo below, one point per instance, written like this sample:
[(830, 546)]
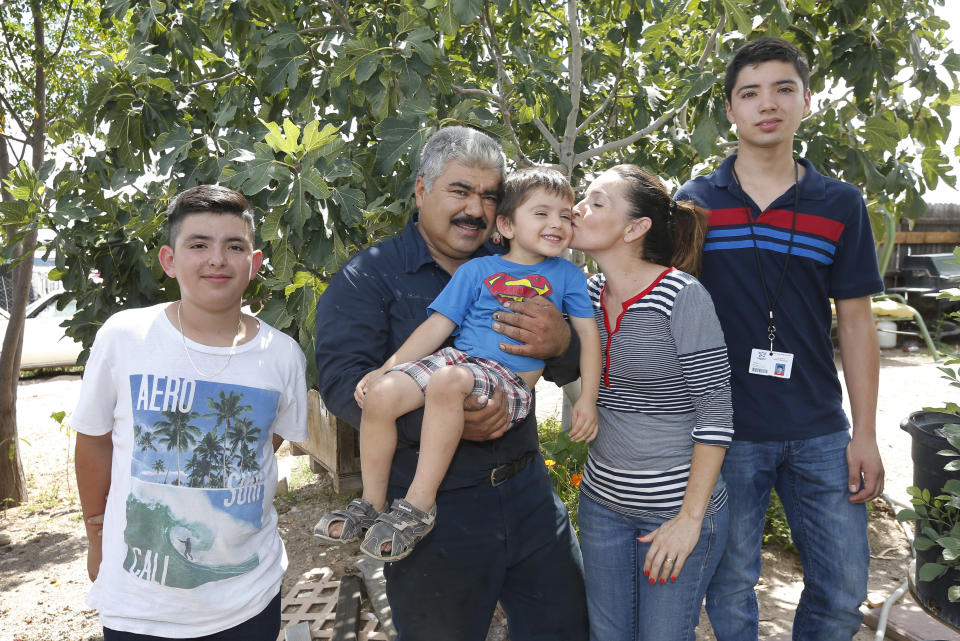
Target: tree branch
[(341, 14), (312, 30), (63, 34), (10, 110), (632, 138), (708, 49), (712, 42), (39, 132), (13, 58), (205, 81), (503, 82), (466, 91), (216, 144), (7, 136), (551, 139), (610, 96), (575, 66)]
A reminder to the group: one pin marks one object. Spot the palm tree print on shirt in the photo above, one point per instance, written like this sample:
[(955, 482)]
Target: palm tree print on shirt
[(228, 410), (176, 432), (222, 448)]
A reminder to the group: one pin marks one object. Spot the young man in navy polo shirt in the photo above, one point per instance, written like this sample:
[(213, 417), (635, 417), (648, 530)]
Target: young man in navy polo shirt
[(783, 241)]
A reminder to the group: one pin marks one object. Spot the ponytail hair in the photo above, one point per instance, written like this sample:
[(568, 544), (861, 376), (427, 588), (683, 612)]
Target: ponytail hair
[(678, 229)]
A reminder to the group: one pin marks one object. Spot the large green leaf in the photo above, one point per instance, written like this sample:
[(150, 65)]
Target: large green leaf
[(398, 137), (931, 571), (249, 172), (351, 202), (175, 145)]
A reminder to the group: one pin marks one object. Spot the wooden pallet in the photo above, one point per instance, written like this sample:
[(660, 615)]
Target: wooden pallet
[(315, 602), (332, 445)]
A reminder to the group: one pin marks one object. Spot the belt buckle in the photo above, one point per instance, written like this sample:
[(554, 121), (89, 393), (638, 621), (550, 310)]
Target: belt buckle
[(494, 481)]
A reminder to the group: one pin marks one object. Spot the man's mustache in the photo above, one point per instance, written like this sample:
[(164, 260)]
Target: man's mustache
[(464, 219)]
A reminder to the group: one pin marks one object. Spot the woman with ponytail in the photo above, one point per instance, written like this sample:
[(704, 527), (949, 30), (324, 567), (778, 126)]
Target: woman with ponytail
[(652, 514)]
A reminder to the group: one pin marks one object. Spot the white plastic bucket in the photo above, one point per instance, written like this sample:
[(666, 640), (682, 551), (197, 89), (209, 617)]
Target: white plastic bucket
[(886, 334)]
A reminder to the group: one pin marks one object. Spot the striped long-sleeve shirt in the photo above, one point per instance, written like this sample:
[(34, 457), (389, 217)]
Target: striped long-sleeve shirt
[(665, 386)]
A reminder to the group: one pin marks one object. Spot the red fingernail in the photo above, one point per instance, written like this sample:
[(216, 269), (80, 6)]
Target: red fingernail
[(646, 573), (663, 580), (673, 578), (653, 581)]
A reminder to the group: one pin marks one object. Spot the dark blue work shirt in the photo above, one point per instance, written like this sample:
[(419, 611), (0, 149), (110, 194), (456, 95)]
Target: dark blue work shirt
[(368, 310)]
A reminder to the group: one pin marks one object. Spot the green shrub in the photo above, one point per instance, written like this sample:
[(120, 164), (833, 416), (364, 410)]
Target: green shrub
[(565, 460), (776, 531)]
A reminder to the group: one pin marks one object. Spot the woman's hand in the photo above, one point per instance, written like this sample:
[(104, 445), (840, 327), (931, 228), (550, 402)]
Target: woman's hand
[(670, 545)]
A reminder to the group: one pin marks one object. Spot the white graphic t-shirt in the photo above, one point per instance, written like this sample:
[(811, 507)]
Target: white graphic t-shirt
[(190, 541)]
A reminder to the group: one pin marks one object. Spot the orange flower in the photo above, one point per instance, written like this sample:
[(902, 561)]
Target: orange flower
[(575, 479)]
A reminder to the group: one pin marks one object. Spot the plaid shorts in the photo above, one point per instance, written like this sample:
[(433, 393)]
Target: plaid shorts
[(487, 376)]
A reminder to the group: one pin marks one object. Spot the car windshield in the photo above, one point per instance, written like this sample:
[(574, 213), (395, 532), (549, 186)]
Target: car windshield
[(47, 308)]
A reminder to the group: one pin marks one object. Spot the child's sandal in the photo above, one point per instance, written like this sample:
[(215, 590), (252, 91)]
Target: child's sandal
[(357, 517), (402, 526)]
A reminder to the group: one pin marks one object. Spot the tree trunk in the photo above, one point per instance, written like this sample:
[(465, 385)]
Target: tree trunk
[(13, 486)]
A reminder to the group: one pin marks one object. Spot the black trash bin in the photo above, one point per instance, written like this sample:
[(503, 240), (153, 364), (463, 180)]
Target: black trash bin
[(926, 428)]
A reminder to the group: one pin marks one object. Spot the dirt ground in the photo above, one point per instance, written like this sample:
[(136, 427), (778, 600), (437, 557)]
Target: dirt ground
[(42, 548)]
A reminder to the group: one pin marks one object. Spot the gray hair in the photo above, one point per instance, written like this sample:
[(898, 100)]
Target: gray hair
[(463, 144)]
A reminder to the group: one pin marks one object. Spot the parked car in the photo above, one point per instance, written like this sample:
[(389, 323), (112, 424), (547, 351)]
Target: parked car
[(44, 341)]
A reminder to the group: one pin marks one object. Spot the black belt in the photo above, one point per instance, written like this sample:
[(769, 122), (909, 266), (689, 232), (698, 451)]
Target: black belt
[(505, 472)]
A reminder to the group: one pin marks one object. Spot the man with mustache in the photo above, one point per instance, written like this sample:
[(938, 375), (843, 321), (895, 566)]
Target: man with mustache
[(505, 536)]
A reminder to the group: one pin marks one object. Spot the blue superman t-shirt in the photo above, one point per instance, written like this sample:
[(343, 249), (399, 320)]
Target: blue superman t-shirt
[(479, 287)]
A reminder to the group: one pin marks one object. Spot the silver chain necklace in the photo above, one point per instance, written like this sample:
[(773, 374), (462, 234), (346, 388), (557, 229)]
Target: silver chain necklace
[(186, 350)]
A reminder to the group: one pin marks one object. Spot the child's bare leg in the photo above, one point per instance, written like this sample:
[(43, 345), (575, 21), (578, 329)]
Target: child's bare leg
[(440, 432), (388, 398)]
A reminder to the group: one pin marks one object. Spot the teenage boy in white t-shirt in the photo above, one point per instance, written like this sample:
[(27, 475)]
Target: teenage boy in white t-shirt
[(182, 407)]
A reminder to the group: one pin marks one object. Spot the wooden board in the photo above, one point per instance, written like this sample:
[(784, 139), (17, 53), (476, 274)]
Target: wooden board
[(332, 446), (927, 237)]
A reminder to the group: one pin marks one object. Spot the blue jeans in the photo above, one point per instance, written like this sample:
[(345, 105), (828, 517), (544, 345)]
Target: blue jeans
[(512, 543), (810, 476), (623, 605), (264, 626)]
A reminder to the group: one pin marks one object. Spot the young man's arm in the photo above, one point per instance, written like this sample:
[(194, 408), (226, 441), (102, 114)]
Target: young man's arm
[(93, 458), (584, 421), (860, 356)]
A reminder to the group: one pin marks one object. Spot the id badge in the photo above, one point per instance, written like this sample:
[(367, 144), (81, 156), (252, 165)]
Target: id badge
[(763, 362)]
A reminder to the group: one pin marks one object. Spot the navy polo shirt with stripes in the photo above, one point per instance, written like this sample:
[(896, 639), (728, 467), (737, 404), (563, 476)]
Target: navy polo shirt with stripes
[(832, 256)]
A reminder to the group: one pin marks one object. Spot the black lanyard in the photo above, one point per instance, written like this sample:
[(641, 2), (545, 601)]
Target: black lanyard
[(772, 304)]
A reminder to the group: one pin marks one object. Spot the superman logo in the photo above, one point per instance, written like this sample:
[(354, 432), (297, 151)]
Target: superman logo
[(507, 288)]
